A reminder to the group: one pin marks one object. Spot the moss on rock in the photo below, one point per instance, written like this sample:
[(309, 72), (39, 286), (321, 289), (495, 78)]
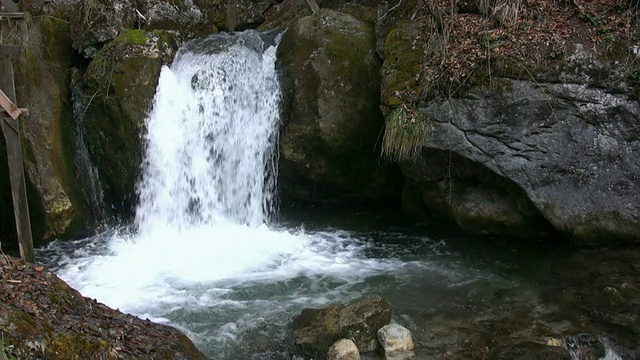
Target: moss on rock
[(120, 84)]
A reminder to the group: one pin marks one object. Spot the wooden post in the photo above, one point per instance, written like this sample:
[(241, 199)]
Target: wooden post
[(313, 5), (232, 5), (10, 117)]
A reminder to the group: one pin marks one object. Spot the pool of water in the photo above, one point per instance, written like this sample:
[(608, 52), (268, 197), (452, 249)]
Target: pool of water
[(234, 289)]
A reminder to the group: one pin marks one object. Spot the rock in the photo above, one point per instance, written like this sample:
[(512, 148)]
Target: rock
[(529, 351), (443, 185), (120, 84), (179, 15), (343, 349), (395, 339), (315, 330), (584, 346), (329, 150), (95, 22), (42, 86), (550, 140), (42, 317)]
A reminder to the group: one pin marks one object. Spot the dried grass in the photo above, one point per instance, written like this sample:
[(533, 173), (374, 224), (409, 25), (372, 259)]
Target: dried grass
[(404, 134)]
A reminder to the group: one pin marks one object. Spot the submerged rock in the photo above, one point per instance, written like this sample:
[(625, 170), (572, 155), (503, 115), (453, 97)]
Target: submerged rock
[(42, 317), (329, 150), (315, 330), (395, 339), (529, 351), (343, 349)]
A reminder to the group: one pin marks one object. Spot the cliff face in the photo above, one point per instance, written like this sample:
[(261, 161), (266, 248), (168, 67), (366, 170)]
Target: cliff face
[(542, 96)]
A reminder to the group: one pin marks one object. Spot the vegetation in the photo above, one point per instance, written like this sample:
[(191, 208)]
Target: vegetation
[(404, 133)]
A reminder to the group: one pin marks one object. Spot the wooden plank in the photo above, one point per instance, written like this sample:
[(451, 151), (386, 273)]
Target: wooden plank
[(12, 15), (9, 51), (11, 130), (9, 106), (18, 189), (10, 6)]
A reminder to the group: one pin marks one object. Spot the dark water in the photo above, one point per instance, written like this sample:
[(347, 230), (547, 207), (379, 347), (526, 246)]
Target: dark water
[(460, 295)]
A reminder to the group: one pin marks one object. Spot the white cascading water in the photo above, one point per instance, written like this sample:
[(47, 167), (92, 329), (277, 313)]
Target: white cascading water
[(200, 244), (211, 138)]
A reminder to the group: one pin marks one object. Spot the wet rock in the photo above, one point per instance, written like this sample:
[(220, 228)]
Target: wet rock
[(329, 149), (315, 330), (529, 351), (343, 349), (119, 86), (584, 346), (180, 15), (395, 339)]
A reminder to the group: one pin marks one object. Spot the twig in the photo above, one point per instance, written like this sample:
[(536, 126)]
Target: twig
[(390, 10)]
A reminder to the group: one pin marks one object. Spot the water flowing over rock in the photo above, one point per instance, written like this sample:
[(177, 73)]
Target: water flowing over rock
[(329, 150), (315, 330)]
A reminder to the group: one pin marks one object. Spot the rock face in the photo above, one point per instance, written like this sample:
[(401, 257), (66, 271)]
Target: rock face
[(315, 330), (42, 317), (120, 84), (571, 148), (42, 86), (552, 142), (328, 146)]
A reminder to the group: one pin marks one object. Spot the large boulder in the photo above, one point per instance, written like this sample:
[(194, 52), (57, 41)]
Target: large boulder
[(572, 148), (315, 330), (329, 145), (119, 86)]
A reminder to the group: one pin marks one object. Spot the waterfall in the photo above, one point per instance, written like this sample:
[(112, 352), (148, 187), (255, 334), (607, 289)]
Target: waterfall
[(211, 136)]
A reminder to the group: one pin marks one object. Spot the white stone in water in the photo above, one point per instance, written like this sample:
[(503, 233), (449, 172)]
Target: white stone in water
[(395, 339), (343, 349)]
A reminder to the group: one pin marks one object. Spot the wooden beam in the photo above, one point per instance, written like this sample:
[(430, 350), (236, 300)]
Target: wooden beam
[(11, 129), (9, 51), (9, 106), (9, 5), (12, 15)]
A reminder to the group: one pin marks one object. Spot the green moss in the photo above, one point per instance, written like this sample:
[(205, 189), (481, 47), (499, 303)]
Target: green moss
[(135, 37), (403, 64), (76, 346)]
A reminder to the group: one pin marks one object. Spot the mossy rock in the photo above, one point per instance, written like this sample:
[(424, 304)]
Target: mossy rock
[(120, 84), (404, 57), (329, 142), (56, 204)]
